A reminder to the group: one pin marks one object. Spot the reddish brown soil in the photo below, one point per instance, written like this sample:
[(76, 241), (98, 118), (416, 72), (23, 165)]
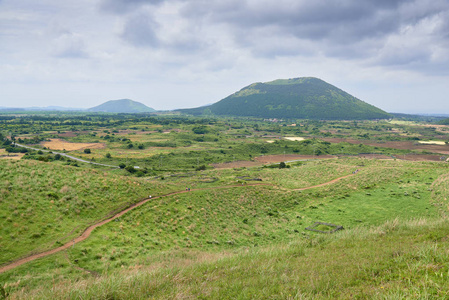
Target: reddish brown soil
[(405, 145)]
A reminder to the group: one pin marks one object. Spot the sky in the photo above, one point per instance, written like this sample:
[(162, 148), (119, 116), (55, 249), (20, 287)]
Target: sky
[(171, 54)]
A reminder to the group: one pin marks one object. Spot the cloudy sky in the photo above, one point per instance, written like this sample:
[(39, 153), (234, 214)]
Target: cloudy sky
[(171, 54)]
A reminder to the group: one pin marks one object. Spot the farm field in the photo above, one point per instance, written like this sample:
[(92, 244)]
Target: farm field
[(223, 201), (58, 144)]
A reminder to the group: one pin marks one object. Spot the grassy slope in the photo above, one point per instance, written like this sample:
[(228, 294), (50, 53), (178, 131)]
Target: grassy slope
[(223, 222), (297, 98), (44, 204), (394, 260)]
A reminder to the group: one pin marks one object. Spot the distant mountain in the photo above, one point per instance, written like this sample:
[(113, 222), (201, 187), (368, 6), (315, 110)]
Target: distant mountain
[(121, 106), (301, 98)]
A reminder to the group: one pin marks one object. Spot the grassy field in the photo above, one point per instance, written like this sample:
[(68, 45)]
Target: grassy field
[(219, 217), (239, 232), (396, 260)]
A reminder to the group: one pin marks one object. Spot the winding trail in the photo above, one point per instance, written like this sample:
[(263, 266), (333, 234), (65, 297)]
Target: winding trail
[(323, 184), (89, 229)]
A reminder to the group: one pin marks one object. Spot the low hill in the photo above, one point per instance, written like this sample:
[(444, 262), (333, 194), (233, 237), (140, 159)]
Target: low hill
[(303, 98), (121, 106)]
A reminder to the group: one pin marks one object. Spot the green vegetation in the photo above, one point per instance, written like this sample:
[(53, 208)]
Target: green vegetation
[(306, 98), (212, 232)]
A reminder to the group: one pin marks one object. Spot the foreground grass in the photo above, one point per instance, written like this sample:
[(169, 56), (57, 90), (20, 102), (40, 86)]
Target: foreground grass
[(406, 259), (43, 205)]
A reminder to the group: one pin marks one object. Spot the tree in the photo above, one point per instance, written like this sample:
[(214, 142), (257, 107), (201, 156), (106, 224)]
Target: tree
[(87, 151), (130, 169), (122, 166), (108, 155)]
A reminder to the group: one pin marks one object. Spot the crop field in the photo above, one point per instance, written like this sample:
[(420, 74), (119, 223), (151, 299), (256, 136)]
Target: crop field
[(214, 211), (58, 144), (6, 155)]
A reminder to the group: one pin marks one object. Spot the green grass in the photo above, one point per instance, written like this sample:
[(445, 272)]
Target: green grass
[(43, 204), (239, 241), (405, 259), (225, 221)]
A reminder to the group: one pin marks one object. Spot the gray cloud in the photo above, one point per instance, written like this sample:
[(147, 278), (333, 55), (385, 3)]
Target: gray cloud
[(125, 6), (386, 32), (141, 30)]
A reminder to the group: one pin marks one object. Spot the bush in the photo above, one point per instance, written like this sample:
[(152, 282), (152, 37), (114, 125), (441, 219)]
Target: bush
[(130, 169), (122, 166), (87, 151), (108, 155)]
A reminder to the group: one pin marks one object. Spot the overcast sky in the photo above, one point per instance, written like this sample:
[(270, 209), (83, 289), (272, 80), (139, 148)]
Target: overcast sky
[(172, 54)]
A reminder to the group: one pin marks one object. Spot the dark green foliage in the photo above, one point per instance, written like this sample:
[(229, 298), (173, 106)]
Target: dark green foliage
[(11, 149), (122, 166), (200, 130), (282, 165), (130, 169), (308, 98), (87, 151)]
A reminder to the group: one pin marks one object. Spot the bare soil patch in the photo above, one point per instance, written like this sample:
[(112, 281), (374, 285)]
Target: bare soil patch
[(405, 145), (267, 159), (237, 164), (375, 156), (58, 144)]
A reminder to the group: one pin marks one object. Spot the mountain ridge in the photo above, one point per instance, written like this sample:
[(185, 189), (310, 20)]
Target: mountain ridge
[(302, 98)]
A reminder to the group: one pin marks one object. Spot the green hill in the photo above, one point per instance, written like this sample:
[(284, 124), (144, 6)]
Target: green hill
[(304, 98), (121, 106)]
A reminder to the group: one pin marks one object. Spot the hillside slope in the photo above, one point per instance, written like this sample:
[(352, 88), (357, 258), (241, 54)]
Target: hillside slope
[(307, 97), (121, 106)]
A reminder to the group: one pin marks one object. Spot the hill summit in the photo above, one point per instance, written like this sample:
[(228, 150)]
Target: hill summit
[(121, 106), (302, 98)]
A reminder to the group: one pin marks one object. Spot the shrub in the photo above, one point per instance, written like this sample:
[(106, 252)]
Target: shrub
[(122, 166), (87, 151), (130, 169)]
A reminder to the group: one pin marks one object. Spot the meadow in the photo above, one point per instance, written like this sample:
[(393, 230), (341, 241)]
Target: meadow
[(223, 233)]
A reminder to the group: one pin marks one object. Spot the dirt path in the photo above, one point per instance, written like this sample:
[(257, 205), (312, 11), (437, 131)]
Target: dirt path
[(91, 228), (326, 183)]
